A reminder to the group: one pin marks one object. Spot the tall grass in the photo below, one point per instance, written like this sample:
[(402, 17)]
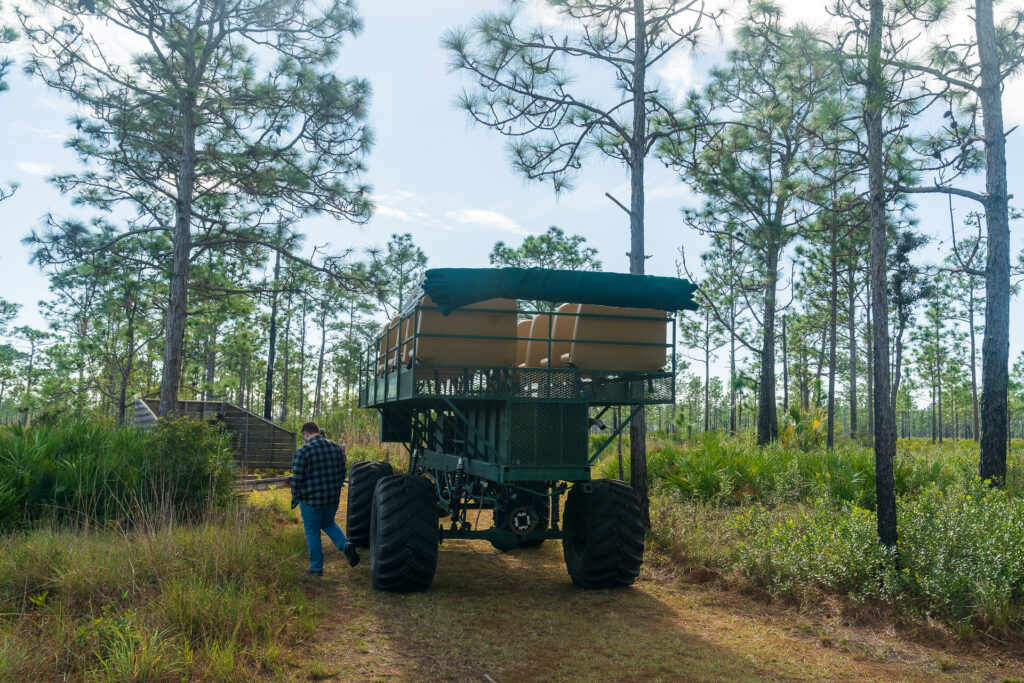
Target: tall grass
[(733, 470), (200, 601), (88, 472)]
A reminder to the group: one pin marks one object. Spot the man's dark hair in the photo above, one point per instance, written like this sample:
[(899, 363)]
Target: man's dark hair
[(310, 428)]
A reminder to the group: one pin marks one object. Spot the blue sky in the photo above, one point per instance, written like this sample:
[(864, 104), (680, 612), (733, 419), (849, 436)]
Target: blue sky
[(434, 174)]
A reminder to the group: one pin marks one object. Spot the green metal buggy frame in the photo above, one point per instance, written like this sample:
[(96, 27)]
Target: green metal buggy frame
[(511, 440)]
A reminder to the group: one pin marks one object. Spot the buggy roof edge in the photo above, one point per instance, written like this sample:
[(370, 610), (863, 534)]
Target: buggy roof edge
[(451, 288)]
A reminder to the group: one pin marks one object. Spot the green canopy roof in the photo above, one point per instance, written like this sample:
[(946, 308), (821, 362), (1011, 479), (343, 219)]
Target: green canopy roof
[(451, 288)]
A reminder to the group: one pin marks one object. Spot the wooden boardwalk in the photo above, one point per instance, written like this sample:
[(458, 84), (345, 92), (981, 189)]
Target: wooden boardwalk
[(260, 443)]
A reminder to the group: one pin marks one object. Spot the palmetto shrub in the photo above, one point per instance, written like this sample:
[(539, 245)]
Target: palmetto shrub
[(90, 472), (732, 470)]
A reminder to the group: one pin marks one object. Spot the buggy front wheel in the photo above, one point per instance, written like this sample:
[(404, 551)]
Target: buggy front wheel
[(403, 534)]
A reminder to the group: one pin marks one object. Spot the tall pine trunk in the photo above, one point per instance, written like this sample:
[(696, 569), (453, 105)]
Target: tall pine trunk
[(320, 363), (884, 427), (302, 362), (268, 394), (995, 347), (974, 360), (785, 367), (177, 299), (638, 150), (853, 352), (833, 305), (767, 418), (285, 362)]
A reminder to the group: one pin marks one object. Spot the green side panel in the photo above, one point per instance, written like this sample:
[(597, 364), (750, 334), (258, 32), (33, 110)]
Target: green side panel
[(543, 435), (395, 425)]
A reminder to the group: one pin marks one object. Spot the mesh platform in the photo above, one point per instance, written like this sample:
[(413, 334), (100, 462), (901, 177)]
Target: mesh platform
[(568, 384)]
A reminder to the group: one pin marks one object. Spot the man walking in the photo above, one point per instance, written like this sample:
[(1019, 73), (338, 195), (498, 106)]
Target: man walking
[(318, 473)]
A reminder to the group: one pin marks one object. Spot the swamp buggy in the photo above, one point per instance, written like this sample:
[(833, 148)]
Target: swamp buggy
[(494, 394)]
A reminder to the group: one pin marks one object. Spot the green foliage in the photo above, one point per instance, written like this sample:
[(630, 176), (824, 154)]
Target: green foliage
[(960, 556), (804, 429), (733, 470), (89, 472), (188, 468), (553, 249)]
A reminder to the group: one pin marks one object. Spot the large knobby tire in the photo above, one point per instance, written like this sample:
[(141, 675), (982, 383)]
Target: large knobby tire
[(362, 480), (403, 534), (542, 504), (604, 535)]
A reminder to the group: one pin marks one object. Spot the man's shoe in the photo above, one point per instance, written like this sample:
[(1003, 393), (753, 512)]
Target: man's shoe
[(314, 572), (351, 554)]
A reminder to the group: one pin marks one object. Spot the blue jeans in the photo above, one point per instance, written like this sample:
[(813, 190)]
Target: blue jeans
[(316, 520)]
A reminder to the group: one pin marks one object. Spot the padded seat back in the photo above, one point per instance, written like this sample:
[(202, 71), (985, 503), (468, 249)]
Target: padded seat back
[(444, 350), (621, 328), (562, 328), (537, 345), (390, 341), (522, 340)]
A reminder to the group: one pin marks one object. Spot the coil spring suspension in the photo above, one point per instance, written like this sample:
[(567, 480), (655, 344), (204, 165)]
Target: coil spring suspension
[(458, 485)]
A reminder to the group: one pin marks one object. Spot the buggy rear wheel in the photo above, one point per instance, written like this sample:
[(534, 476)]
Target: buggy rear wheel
[(604, 535), (362, 480), (403, 534)]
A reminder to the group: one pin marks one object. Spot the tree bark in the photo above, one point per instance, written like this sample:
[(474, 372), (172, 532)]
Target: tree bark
[(833, 305), (177, 299), (707, 374), (302, 360), (853, 354), (268, 394), (974, 358), (995, 347), (785, 368), (638, 150), (884, 427), (285, 360), (870, 329), (320, 363), (767, 418)]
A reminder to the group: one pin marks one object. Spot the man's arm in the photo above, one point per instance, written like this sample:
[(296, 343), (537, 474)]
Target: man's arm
[(298, 475)]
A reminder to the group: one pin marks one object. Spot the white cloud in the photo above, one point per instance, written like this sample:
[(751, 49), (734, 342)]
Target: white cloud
[(677, 73), (487, 219), (384, 210), (671, 190), (34, 168)]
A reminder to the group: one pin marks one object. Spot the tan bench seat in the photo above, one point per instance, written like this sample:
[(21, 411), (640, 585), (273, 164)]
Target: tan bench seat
[(586, 355), (467, 320)]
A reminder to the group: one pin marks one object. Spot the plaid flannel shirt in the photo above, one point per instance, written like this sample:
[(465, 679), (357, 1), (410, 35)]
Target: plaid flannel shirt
[(318, 473)]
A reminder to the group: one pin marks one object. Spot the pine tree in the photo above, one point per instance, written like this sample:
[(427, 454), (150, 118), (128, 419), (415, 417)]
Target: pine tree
[(229, 119)]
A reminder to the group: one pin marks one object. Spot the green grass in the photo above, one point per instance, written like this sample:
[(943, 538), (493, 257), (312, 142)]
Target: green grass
[(205, 600), (90, 473)]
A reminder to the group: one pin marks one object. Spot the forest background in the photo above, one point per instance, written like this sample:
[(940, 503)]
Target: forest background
[(453, 192)]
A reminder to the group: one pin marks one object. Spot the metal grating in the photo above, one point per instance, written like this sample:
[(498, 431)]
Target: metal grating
[(548, 434)]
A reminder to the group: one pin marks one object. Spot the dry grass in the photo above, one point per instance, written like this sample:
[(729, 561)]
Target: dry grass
[(516, 616), (226, 602)]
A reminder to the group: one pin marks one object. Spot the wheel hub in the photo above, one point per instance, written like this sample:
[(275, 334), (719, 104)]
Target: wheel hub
[(523, 520)]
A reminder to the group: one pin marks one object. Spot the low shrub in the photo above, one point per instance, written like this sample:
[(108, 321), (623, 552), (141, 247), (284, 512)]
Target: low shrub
[(960, 556), (89, 472), (734, 470)]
